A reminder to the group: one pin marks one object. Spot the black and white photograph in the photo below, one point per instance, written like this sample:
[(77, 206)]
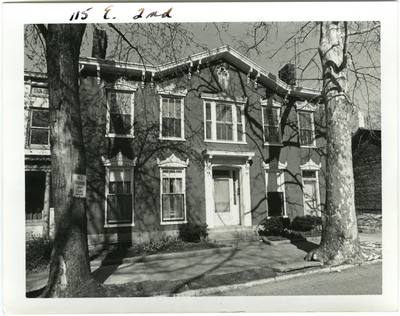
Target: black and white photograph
[(218, 159)]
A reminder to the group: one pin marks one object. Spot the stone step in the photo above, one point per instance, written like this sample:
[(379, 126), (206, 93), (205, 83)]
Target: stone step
[(238, 228), (238, 240), (230, 234)]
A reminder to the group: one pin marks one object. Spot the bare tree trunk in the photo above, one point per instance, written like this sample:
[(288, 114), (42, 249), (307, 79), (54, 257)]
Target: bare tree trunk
[(339, 241), (69, 268)]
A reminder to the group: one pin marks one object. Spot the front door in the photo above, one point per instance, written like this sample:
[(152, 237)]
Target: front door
[(226, 197)]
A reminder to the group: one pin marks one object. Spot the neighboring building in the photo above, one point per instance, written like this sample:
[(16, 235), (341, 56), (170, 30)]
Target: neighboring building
[(367, 167), (37, 155), (212, 138)]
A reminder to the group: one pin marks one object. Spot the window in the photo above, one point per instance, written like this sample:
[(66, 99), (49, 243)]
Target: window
[(172, 118), (120, 119), (309, 172), (173, 190), (305, 117), (40, 91), (172, 195), (223, 122), (39, 128), (306, 128), (271, 119), (119, 197), (275, 188), (119, 191)]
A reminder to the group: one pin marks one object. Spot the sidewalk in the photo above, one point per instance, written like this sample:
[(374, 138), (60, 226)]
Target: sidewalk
[(195, 264)]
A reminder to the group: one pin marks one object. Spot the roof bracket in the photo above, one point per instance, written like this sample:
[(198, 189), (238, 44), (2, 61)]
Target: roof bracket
[(143, 78), (190, 70), (98, 73), (198, 67), (255, 80), (248, 75), (152, 80)]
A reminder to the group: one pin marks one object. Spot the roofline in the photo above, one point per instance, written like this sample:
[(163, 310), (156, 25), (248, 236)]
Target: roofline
[(194, 62)]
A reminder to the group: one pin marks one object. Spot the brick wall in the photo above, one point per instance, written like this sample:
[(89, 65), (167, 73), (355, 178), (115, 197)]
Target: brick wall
[(367, 167)]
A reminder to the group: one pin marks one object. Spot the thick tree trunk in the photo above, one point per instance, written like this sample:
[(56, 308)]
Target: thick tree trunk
[(339, 242), (69, 268)]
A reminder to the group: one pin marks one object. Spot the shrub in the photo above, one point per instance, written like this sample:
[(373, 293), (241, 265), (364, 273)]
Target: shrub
[(306, 223), (193, 232), (272, 226), (37, 253)]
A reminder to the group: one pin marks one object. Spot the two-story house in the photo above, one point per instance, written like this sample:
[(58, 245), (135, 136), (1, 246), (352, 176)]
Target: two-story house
[(212, 138)]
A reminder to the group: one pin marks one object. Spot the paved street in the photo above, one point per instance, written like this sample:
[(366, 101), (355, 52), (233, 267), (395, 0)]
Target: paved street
[(364, 280)]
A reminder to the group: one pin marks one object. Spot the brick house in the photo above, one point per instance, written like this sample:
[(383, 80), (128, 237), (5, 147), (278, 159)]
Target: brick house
[(367, 167), (212, 138)]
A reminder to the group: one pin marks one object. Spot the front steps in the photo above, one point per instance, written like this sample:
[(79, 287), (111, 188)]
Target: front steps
[(233, 234)]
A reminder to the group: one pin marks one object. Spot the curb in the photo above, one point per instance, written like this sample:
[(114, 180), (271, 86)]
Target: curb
[(212, 290)]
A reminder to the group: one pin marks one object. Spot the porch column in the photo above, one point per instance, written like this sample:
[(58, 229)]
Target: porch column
[(46, 205), (208, 181)]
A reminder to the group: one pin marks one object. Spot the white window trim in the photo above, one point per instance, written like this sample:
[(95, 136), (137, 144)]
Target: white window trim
[(312, 166), (122, 86), (182, 98), (214, 122), (38, 146), (306, 107), (173, 162), (271, 103), (223, 97), (276, 166), (118, 162)]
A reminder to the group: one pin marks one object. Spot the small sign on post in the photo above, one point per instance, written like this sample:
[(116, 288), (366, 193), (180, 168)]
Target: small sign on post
[(79, 181)]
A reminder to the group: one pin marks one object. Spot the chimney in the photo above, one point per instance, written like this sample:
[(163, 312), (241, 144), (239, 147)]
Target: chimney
[(99, 47), (288, 74)]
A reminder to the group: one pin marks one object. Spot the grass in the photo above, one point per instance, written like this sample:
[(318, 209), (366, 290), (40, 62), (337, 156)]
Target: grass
[(38, 251), (154, 247)]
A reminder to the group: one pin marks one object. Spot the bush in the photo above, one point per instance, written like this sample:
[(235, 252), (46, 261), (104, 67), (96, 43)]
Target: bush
[(272, 226), (193, 232), (306, 223), (37, 253)]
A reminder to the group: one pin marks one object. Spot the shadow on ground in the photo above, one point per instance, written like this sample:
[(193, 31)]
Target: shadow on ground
[(306, 246)]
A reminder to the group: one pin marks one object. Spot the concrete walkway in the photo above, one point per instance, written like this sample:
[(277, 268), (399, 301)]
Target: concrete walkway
[(195, 264)]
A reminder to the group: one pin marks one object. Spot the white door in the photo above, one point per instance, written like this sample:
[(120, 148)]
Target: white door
[(226, 197)]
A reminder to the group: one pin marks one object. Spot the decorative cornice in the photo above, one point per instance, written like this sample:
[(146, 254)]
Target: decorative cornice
[(173, 161), (305, 106), (119, 160), (209, 154), (223, 96), (273, 101), (274, 165), (122, 84), (171, 89), (310, 165)]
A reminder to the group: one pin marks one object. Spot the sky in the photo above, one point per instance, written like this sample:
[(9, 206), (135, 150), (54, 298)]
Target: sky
[(268, 48)]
